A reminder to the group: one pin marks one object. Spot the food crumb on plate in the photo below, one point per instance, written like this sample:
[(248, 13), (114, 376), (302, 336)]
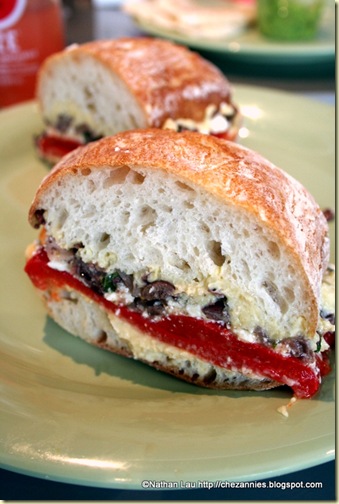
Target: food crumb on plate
[(284, 409)]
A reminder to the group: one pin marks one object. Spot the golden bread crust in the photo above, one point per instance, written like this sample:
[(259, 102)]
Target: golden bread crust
[(231, 173), (167, 79)]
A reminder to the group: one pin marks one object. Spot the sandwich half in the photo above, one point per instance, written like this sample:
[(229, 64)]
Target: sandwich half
[(103, 87), (190, 253)]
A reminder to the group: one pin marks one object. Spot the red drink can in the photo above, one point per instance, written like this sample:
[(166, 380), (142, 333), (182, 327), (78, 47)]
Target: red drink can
[(30, 30)]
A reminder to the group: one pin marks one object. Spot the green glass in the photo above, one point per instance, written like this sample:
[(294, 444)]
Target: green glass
[(289, 19)]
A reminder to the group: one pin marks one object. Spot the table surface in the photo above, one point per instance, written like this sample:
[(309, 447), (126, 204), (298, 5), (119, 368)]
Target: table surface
[(20, 487), (84, 23)]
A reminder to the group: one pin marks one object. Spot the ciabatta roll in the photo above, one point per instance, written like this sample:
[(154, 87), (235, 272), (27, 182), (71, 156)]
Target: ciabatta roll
[(190, 253), (97, 89)]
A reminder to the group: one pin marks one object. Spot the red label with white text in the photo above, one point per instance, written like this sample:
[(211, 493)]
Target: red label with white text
[(10, 12)]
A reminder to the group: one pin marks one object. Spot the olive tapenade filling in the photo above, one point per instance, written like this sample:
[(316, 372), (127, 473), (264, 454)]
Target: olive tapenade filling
[(152, 298), (216, 120), (63, 130), (156, 299)]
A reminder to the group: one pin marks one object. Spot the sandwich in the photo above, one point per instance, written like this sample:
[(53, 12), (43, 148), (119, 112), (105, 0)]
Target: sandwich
[(190, 253), (103, 87)]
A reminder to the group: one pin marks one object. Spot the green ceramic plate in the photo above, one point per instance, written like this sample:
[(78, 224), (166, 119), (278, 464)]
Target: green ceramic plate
[(77, 414), (251, 46)]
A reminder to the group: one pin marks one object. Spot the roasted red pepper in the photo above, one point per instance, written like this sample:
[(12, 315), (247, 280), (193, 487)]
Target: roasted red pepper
[(55, 147), (208, 340)]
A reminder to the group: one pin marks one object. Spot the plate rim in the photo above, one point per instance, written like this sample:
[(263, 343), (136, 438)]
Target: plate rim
[(314, 51), (325, 457)]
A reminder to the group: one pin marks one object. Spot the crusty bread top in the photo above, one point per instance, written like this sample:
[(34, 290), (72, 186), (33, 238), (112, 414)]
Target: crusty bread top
[(234, 177), (167, 80)]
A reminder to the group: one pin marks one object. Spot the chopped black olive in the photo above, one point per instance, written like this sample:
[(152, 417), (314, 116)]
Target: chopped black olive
[(230, 115), (87, 133), (328, 316), (153, 308), (262, 335), (63, 122), (181, 128), (76, 247), (297, 347), (157, 290), (126, 279), (218, 311), (39, 218), (90, 275)]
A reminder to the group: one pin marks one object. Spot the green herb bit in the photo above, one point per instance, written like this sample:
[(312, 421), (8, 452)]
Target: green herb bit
[(110, 282)]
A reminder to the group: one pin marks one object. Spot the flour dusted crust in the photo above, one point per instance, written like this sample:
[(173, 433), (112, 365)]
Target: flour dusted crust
[(154, 79), (282, 217)]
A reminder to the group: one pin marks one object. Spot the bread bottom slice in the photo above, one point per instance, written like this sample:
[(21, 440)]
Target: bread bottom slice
[(82, 317)]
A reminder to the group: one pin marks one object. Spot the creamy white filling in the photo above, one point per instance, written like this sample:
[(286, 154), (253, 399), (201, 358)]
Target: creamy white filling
[(58, 265), (70, 134), (121, 296), (192, 306), (215, 121), (149, 349)]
